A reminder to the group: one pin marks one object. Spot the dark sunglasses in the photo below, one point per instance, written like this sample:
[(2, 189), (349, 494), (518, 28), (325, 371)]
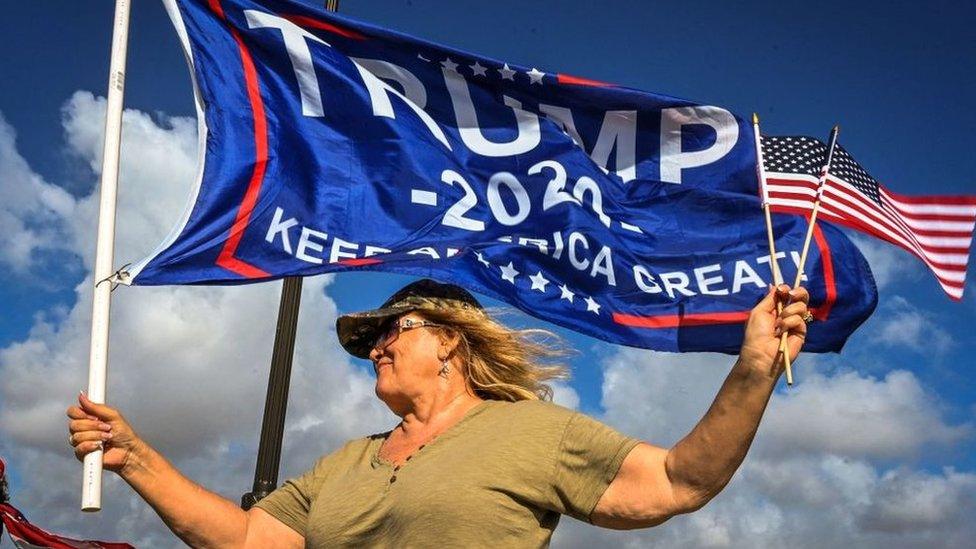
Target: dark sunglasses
[(390, 332)]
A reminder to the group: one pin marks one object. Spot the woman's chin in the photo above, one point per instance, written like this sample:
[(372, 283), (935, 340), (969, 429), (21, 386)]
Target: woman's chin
[(384, 392)]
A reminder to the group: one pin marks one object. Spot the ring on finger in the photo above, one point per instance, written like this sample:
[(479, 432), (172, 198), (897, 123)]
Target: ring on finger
[(808, 317)]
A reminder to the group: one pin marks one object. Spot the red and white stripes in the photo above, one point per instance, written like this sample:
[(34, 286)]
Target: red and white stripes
[(937, 229)]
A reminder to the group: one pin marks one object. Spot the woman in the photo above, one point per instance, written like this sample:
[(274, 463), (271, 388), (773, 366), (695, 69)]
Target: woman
[(479, 458)]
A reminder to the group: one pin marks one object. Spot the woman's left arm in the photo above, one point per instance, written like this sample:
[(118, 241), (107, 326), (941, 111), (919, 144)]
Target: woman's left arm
[(655, 484)]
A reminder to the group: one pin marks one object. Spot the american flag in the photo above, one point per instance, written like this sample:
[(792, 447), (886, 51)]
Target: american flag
[(937, 229), (25, 535)]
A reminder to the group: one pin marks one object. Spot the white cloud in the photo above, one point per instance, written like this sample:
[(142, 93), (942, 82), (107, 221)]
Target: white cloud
[(659, 396), (815, 476), (902, 324), (565, 395), (888, 262), (859, 417), (907, 502), (158, 164), (32, 211), (188, 365)]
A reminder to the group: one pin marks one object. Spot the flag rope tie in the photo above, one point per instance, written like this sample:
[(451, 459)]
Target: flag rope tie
[(116, 277)]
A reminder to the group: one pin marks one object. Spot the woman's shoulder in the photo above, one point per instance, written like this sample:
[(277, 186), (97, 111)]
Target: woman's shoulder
[(366, 445), (352, 451), (533, 406), (536, 425), (533, 411)]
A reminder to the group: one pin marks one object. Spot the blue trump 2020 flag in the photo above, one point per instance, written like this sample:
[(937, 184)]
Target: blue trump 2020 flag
[(331, 145)]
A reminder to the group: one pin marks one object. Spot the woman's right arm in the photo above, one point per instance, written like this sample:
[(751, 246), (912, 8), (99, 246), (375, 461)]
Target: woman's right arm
[(199, 517), (654, 484)]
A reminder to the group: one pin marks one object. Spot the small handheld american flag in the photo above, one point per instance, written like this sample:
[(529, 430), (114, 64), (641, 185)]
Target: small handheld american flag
[(25, 535), (937, 229)]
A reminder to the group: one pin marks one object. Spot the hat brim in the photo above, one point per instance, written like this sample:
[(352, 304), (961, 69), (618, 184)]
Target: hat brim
[(358, 331)]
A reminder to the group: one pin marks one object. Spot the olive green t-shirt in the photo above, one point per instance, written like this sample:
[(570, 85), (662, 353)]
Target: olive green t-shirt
[(500, 477)]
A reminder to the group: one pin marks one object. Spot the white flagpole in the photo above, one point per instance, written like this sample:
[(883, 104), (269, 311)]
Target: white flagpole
[(773, 262), (91, 494)]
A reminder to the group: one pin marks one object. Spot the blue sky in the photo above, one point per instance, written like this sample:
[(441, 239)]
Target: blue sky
[(897, 78)]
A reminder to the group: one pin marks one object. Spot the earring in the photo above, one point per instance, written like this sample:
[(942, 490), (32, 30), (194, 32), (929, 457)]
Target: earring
[(445, 369)]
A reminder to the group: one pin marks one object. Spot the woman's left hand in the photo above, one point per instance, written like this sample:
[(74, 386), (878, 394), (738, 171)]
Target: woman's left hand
[(760, 346)]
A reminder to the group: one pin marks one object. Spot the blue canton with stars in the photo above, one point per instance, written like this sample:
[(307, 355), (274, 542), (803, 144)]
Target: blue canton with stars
[(331, 145), (808, 155)]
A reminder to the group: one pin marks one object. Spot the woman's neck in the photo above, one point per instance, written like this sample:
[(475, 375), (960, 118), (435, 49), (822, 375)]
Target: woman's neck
[(437, 412)]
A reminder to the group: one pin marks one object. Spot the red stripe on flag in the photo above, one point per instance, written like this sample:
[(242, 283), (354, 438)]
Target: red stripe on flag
[(359, 261), (892, 237), (228, 261), (827, 262), (790, 182), (844, 204), (953, 200), (25, 534), (226, 258), (889, 221), (776, 208), (872, 212), (822, 312), (912, 226), (931, 216), (900, 220), (687, 319), (579, 81), (217, 9), (312, 23), (855, 224)]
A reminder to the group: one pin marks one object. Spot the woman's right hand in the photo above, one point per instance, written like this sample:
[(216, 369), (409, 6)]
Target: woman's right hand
[(93, 426)]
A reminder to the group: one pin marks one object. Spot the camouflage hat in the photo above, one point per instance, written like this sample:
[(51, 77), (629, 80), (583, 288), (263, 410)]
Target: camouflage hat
[(358, 331)]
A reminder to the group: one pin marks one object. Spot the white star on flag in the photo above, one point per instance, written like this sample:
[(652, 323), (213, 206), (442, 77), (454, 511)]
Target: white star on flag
[(507, 73), (535, 76), (449, 65), (592, 305), (478, 69), (508, 272), (482, 259), (566, 294), (539, 282)]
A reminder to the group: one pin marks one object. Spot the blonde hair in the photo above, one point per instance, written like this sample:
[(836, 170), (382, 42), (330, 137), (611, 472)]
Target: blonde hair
[(502, 363)]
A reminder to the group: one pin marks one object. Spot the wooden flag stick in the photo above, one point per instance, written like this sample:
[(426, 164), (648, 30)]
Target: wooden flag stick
[(773, 262), (816, 204)]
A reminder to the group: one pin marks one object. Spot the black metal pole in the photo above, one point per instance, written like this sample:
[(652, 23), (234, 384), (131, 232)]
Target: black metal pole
[(276, 401)]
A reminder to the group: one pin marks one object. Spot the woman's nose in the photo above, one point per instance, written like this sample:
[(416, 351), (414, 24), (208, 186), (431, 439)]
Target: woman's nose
[(375, 353)]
